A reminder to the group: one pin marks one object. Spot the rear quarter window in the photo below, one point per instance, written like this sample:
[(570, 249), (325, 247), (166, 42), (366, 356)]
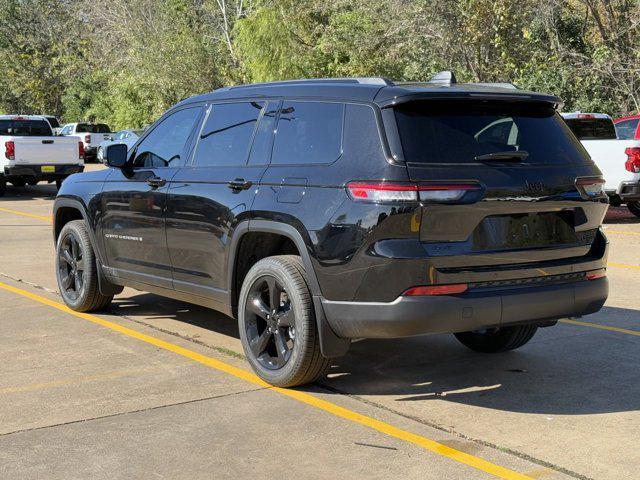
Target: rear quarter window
[(456, 132), (626, 130), (308, 133)]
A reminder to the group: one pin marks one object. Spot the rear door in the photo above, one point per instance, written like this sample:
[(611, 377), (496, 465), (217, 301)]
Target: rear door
[(211, 195), (499, 182)]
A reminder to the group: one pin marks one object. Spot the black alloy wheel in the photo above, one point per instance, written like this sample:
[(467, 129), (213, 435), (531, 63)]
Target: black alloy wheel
[(71, 266), (270, 323)]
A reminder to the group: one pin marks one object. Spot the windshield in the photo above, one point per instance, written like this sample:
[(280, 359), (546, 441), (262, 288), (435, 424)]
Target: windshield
[(592, 128), (435, 131), (90, 128), (25, 128)]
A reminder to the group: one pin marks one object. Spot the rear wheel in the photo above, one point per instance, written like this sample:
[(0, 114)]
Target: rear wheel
[(76, 270), (634, 207), (495, 340), (277, 323), (3, 186), (59, 182), (32, 181)]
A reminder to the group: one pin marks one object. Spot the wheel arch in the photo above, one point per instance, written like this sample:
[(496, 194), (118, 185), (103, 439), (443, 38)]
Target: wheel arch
[(67, 209), (330, 344)]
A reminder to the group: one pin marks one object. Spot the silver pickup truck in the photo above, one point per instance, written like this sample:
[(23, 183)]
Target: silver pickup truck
[(33, 154)]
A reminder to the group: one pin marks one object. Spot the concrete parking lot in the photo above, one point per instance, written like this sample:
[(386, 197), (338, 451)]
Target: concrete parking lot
[(156, 388)]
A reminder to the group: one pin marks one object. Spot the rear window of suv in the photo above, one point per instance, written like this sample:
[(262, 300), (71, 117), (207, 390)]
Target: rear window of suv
[(25, 128), (449, 132)]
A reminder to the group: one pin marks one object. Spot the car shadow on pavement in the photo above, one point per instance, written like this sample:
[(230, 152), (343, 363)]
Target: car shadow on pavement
[(42, 191), (564, 370), (619, 215)]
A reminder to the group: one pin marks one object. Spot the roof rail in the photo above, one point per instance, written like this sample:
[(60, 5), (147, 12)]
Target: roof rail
[(361, 80), (443, 78)]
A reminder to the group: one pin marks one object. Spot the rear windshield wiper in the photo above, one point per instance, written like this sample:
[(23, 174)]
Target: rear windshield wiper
[(513, 156)]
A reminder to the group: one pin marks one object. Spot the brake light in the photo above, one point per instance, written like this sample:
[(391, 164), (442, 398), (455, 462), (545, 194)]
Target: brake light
[(10, 150), (378, 192), (590, 186), (595, 274), (586, 115), (87, 139), (80, 151), (633, 159), (451, 289)]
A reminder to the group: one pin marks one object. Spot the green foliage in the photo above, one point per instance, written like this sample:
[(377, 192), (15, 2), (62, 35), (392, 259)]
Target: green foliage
[(124, 62)]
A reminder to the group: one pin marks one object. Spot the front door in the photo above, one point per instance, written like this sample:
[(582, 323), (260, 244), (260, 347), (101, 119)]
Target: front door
[(210, 196), (134, 201)]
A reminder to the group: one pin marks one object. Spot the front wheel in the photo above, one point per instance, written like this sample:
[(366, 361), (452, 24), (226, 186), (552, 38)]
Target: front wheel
[(277, 323), (76, 270), (496, 340), (634, 207)]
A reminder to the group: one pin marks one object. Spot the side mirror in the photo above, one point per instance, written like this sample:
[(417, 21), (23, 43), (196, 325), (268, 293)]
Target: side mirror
[(116, 155)]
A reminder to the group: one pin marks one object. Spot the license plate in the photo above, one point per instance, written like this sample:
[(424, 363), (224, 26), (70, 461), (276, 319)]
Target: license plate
[(48, 169)]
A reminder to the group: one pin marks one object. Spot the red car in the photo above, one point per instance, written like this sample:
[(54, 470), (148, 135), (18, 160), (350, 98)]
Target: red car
[(627, 127)]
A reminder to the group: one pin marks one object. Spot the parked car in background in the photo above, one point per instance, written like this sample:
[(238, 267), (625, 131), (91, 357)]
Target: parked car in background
[(627, 127), (91, 135), (320, 211), (617, 157), (127, 137), (33, 154), (54, 122)]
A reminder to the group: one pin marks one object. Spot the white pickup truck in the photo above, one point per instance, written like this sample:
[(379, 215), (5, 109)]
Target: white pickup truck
[(618, 160), (32, 154), (90, 134)]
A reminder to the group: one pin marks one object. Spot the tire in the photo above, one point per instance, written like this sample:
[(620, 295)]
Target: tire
[(33, 182), (59, 182), (498, 339), (18, 182), (300, 360), (634, 207), (78, 286), (3, 186)]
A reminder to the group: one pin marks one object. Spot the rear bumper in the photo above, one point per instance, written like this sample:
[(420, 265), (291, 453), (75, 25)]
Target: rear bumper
[(37, 172), (629, 191), (407, 316)]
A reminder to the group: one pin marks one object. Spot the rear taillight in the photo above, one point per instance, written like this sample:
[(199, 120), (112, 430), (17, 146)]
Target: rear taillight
[(590, 186), (87, 139), (380, 192), (451, 289), (595, 274), (80, 151), (633, 159), (10, 150)]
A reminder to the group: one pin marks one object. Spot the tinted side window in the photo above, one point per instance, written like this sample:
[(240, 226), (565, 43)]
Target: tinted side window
[(227, 133), (308, 132), (627, 130), (263, 140), (164, 146)]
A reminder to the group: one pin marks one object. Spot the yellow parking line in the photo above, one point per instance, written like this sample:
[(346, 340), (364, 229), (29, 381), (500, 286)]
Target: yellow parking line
[(24, 214), (602, 327), (306, 398), (622, 265), (621, 232)]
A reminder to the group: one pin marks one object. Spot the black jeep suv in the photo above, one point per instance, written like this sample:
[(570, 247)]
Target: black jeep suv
[(321, 211)]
